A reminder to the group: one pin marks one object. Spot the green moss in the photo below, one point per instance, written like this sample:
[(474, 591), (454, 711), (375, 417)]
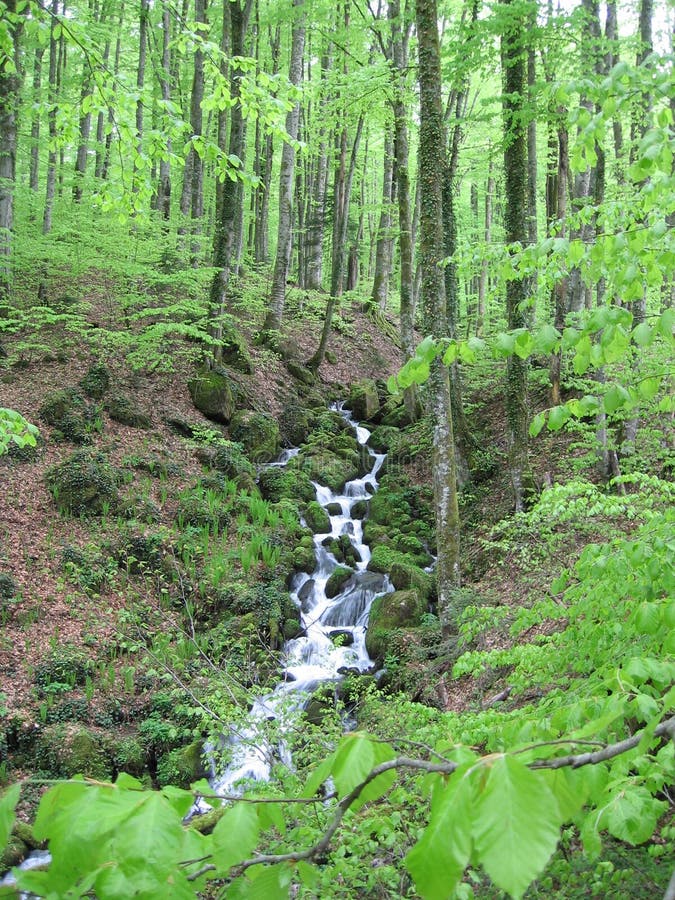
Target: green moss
[(230, 459), (400, 609), (213, 393), (286, 483), (317, 518), (84, 484), (402, 570), (122, 410), (295, 424), (96, 382), (258, 433), (339, 577), (364, 400), (182, 766), (66, 750), (67, 411)]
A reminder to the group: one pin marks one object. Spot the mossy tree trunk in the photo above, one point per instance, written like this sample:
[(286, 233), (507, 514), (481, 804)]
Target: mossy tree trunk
[(513, 58), (431, 249)]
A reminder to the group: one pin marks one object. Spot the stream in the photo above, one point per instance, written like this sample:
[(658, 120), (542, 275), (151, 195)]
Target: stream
[(333, 640)]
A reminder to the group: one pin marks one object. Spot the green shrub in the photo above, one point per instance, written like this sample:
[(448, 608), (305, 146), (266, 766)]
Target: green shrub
[(96, 382), (67, 411)]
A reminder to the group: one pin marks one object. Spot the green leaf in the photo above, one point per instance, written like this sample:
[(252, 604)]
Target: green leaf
[(649, 387), (8, 802), (546, 339), (666, 323), (438, 860), (354, 759), (516, 825), (632, 815), (318, 776), (616, 398), (643, 334), (235, 835), (557, 417), (537, 424), (504, 344), (524, 345), (567, 788)]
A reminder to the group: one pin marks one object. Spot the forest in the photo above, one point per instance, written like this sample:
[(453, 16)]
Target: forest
[(336, 449)]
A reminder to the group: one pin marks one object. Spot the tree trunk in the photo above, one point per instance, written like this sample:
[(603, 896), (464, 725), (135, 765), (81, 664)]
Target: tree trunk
[(286, 180), (235, 24), (435, 311), (51, 119), (383, 247), (342, 193), (515, 223), (316, 211), (105, 166), (164, 184), (261, 249), (9, 101), (483, 278), (85, 124), (140, 83), (33, 180)]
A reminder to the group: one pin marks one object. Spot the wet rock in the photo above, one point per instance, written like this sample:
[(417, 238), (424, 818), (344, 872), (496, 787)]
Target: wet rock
[(337, 581), (364, 400), (400, 609), (342, 637), (317, 518), (305, 593)]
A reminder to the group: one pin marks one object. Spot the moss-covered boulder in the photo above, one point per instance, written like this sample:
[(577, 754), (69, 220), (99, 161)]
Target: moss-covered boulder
[(364, 400), (234, 351), (384, 438), (121, 409), (343, 550), (304, 556), (214, 393), (67, 750), (400, 609), (182, 766), (68, 412), (330, 469), (295, 424), (402, 570), (300, 373), (96, 382), (84, 484), (230, 459), (286, 483), (317, 518), (337, 581), (258, 433)]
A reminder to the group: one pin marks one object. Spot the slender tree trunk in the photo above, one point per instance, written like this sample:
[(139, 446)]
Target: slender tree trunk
[(286, 179), (342, 193), (9, 102), (51, 120), (483, 278), (560, 288), (33, 180), (85, 124), (140, 83), (435, 310), (235, 24), (105, 167), (316, 213), (383, 247), (515, 223), (164, 184)]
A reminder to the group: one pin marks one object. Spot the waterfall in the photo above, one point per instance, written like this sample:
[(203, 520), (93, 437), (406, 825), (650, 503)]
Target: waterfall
[(314, 658)]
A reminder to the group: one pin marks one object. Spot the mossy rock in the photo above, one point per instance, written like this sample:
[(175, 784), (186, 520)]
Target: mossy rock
[(317, 518), (96, 382), (364, 400), (64, 665), (183, 766), (295, 424), (214, 394), (68, 412), (400, 609), (304, 558), (402, 570), (320, 705), (359, 510), (374, 534), (384, 438), (343, 550), (300, 373), (14, 852), (129, 756), (258, 433), (329, 469), (122, 410), (230, 459), (8, 588), (337, 581), (234, 351), (67, 750), (278, 483), (84, 484), (395, 414)]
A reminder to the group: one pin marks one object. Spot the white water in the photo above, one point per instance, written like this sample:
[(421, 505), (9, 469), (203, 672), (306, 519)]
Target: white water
[(314, 658)]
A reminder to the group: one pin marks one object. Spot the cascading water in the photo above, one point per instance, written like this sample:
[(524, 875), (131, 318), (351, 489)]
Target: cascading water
[(315, 657)]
